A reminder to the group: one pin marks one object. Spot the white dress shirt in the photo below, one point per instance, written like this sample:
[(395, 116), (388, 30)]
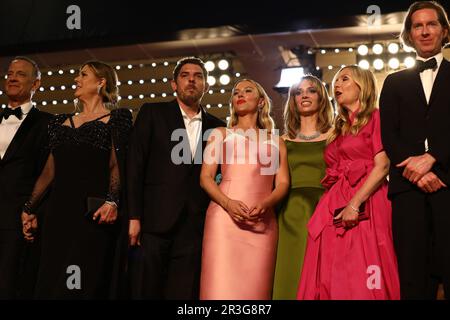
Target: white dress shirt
[(427, 78), (194, 128), (9, 127)]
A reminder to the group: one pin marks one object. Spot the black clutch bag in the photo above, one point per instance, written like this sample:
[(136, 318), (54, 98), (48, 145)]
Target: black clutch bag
[(363, 215), (93, 204)]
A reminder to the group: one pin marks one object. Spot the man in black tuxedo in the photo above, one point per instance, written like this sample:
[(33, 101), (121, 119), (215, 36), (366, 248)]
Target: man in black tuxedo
[(166, 203), (23, 143), (415, 127)]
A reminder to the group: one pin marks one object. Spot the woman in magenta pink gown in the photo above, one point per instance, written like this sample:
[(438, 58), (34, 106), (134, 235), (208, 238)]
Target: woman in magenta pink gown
[(355, 260), (241, 232)]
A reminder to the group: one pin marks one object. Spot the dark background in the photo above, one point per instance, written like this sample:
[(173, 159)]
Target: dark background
[(32, 26)]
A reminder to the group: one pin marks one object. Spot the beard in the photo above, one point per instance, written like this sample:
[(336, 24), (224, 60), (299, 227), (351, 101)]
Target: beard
[(189, 97)]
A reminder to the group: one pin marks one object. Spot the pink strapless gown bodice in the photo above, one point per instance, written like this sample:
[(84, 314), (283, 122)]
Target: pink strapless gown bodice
[(238, 259)]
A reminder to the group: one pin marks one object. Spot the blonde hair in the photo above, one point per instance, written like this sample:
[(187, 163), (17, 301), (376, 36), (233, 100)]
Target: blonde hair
[(368, 96), (292, 121), (264, 120), (110, 91)]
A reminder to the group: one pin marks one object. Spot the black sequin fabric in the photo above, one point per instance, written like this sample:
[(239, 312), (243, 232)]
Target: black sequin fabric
[(94, 133)]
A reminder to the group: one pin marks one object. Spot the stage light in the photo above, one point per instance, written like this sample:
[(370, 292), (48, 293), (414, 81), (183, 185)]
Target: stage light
[(119, 83), (377, 48), (153, 80), (141, 96), (410, 62), (74, 86), (164, 79), (130, 82), (363, 50), (211, 80), (49, 73), (152, 95), (364, 64), (210, 92), (65, 101), (208, 106), (54, 102), (238, 74), (223, 64), (378, 64), (219, 105), (393, 48), (72, 71), (117, 67), (289, 76), (330, 67), (394, 63), (63, 87), (224, 79), (209, 66), (44, 103), (317, 68), (350, 49), (60, 71), (222, 90), (323, 51), (130, 66), (166, 63), (141, 81), (164, 95), (408, 49), (52, 88), (41, 89), (130, 97), (119, 98), (174, 94), (1, 92), (336, 50), (153, 64)]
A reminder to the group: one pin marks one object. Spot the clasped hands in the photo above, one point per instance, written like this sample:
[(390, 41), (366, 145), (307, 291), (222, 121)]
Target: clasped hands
[(240, 212), (417, 170), (107, 214)]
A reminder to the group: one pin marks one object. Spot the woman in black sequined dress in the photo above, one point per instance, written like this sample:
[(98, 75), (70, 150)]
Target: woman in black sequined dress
[(80, 255)]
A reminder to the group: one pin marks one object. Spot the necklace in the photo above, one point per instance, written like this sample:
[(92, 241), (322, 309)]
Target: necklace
[(311, 137)]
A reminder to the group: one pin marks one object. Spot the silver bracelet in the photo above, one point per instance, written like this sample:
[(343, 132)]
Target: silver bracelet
[(353, 208)]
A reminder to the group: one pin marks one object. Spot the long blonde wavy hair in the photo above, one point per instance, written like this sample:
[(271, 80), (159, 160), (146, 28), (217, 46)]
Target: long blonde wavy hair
[(264, 120), (292, 122), (368, 97)]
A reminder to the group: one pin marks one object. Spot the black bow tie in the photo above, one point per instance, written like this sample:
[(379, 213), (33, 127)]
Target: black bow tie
[(7, 112), (424, 65)]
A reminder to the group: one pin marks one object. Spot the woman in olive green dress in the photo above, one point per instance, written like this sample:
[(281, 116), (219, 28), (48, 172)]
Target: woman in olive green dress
[(308, 117)]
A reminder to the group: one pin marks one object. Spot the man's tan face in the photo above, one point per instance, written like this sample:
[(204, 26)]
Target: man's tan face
[(190, 84), (20, 81)]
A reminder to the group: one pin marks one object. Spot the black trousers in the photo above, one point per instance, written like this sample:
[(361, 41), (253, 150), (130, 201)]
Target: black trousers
[(421, 231), (167, 266), (11, 245)]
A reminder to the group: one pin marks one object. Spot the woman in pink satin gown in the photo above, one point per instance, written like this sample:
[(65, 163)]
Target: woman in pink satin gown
[(355, 260), (240, 236)]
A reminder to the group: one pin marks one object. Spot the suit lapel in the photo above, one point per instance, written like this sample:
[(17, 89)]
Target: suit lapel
[(440, 81), (176, 122), (20, 134), (175, 118), (417, 86)]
